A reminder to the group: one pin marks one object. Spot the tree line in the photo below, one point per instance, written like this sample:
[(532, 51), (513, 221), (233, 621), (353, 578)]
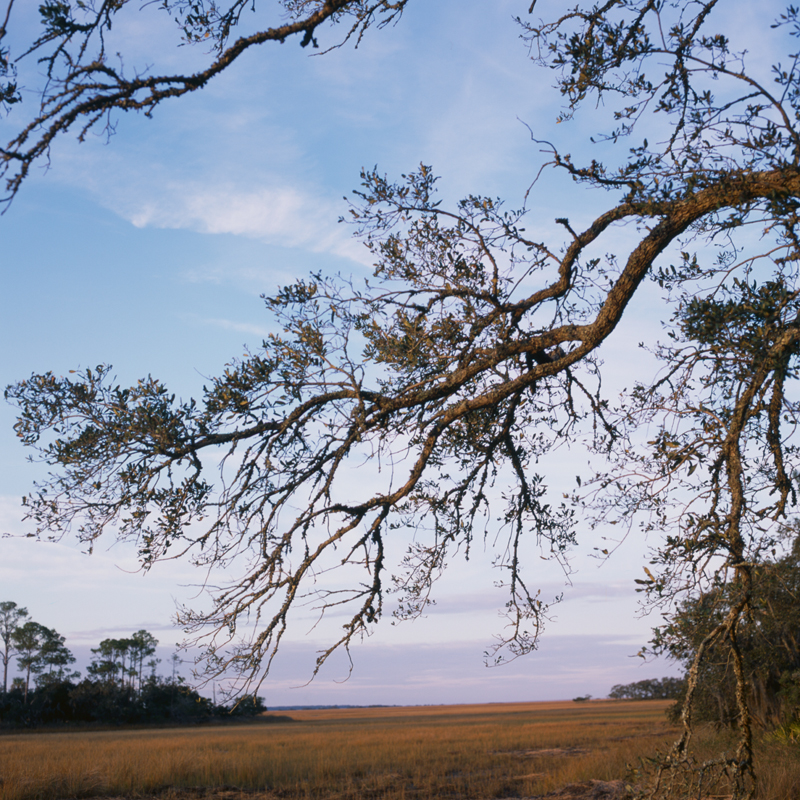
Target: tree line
[(121, 686), (649, 689)]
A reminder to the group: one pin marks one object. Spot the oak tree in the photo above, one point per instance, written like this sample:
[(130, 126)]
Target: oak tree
[(473, 352)]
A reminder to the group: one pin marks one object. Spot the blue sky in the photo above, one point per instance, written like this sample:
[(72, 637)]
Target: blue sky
[(150, 253)]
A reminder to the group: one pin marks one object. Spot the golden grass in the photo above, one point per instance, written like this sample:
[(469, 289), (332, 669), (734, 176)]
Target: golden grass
[(487, 751)]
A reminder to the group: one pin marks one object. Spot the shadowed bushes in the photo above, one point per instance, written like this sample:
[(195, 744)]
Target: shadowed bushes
[(93, 701)]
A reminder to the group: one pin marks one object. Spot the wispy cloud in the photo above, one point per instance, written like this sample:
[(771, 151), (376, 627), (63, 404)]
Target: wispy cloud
[(261, 203), (281, 215)]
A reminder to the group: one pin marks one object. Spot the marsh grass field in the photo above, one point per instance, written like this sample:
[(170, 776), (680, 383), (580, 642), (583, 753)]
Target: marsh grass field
[(410, 753)]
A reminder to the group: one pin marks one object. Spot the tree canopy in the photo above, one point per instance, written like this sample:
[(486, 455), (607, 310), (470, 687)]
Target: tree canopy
[(473, 351)]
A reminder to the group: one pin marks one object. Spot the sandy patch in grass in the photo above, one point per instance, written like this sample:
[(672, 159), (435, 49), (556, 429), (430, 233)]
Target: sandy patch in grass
[(591, 790)]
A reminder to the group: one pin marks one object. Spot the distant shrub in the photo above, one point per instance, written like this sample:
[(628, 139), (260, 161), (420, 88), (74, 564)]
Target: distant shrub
[(248, 706), (654, 689)]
